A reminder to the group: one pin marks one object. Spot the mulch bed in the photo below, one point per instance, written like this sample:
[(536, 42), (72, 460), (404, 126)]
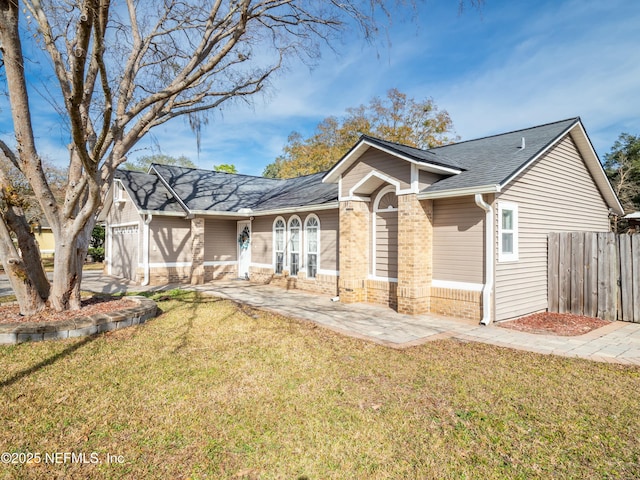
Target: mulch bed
[(10, 313), (564, 324)]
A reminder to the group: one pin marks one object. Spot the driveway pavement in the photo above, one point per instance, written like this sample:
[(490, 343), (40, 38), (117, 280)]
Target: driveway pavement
[(618, 342)]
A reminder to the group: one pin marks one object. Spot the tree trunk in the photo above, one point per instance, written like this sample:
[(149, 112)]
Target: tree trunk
[(67, 269), (29, 251), (27, 294)]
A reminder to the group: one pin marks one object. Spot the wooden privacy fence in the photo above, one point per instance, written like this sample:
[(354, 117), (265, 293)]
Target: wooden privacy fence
[(595, 274)]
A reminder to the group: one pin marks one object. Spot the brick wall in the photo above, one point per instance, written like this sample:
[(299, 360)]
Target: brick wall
[(354, 250), (415, 245), (456, 303), (382, 293), (324, 284)]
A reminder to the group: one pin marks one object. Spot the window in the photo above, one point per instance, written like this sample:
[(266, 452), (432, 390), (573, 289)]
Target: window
[(118, 192), (294, 245), (312, 237), (278, 245), (507, 232)]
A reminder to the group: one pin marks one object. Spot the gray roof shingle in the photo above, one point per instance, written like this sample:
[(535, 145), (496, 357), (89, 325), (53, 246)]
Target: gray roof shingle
[(205, 190), (148, 192), (493, 160)]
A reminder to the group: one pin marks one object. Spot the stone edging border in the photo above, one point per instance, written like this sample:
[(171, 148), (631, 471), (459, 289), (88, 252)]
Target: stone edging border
[(14, 333)]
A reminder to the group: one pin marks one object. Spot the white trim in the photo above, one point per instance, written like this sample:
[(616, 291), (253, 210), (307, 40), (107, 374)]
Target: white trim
[(374, 246), (355, 198), (306, 244), (167, 264), (382, 279), (159, 213), (273, 244), (240, 226), (363, 145), (126, 224), (453, 285), (460, 192), (262, 265), (489, 249), (378, 175), (513, 256), (220, 263), (334, 273), (415, 178), (288, 247)]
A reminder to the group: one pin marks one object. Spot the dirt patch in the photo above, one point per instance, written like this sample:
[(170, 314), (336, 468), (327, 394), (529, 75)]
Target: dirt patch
[(10, 313), (564, 324)]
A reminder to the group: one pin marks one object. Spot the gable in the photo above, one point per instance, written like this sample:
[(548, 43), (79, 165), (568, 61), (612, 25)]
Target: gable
[(380, 162)]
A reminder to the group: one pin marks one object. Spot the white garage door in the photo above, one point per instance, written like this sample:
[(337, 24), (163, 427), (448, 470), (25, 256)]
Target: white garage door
[(124, 257)]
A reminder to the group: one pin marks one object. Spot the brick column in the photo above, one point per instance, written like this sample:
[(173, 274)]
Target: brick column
[(415, 236), (197, 251), (354, 251)]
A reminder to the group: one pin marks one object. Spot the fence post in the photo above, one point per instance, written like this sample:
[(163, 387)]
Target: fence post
[(625, 310), (553, 248), (591, 274), (577, 273)]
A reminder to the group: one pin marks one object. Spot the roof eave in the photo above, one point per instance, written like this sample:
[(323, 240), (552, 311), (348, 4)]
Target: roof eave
[(459, 192), (364, 144)]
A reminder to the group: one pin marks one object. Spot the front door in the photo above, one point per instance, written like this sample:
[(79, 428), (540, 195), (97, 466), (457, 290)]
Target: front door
[(244, 248)]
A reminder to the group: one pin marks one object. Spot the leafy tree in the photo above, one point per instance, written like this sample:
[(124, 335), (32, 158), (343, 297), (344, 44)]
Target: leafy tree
[(120, 72), (396, 118), (622, 165), (225, 167), (142, 164)]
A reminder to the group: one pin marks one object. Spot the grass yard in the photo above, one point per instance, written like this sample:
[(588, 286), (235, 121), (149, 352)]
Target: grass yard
[(211, 389)]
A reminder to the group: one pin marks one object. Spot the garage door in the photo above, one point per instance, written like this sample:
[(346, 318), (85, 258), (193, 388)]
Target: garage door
[(124, 257)]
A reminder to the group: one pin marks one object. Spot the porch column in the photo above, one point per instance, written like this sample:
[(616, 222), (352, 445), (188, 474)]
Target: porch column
[(354, 251), (415, 268), (197, 251)]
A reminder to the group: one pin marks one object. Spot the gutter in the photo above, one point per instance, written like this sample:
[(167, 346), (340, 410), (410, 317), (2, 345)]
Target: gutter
[(145, 248), (488, 243), (460, 192)]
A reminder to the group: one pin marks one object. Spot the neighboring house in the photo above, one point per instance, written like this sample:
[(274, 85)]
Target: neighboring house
[(44, 236), (458, 230), (634, 221)]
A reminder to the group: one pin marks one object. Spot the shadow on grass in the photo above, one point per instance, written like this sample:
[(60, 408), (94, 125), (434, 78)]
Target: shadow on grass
[(49, 361)]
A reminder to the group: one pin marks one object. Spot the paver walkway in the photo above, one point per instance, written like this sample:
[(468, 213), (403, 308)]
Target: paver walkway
[(618, 342)]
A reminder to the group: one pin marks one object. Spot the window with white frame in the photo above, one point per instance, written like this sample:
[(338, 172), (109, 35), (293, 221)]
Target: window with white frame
[(507, 232), (118, 192), (312, 237), (278, 244), (294, 245)]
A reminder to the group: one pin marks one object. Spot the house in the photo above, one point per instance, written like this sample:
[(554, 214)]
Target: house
[(44, 236), (457, 230), (634, 221)]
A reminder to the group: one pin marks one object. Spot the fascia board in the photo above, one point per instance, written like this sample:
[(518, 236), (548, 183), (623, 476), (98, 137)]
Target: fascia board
[(459, 192), (364, 145)]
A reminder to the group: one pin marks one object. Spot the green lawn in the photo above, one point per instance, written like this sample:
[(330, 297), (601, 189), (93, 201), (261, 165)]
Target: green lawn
[(211, 389)]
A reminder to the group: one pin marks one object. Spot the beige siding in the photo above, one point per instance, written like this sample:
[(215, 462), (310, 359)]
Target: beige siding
[(169, 240), (386, 244), (373, 159), (262, 238), (458, 240), (261, 241), (123, 212), (220, 240), (426, 179), (329, 239), (556, 194)]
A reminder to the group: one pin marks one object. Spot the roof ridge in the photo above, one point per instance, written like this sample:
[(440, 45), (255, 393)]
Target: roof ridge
[(216, 171), (506, 133)]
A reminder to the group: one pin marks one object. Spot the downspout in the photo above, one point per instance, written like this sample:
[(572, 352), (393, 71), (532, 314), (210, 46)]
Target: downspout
[(145, 248), (488, 243)]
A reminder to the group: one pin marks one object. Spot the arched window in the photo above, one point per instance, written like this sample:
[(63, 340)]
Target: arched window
[(294, 245), (278, 244), (312, 251), (385, 235)]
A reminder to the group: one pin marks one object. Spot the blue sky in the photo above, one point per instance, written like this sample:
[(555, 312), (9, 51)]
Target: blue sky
[(512, 65)]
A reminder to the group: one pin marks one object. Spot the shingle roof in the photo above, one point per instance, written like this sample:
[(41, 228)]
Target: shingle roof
[(204, 190), (425, 156), (148, 192), (493, 160)]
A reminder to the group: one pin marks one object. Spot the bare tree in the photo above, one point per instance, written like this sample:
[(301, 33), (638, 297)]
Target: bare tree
[(122, 69)]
